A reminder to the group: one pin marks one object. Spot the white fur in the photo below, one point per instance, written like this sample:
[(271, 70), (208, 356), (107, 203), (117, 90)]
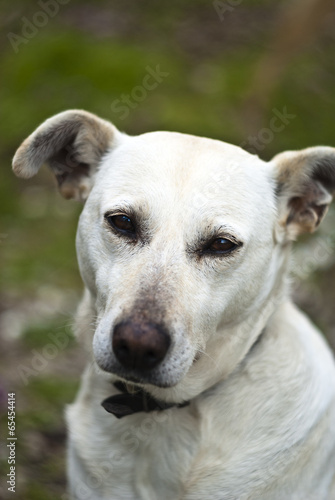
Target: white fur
[(260, 424)]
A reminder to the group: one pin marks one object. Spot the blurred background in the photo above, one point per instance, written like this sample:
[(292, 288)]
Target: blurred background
[(222, 69)]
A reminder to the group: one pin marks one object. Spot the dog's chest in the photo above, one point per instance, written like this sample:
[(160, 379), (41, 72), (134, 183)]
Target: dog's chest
[(142, 456)]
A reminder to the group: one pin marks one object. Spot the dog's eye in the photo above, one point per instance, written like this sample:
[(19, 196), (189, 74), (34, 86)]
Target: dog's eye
[(122, 223), (221, 245)]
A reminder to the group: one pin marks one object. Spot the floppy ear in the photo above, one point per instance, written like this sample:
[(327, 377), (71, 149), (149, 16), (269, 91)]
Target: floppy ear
[(305, 183), (72, 143)]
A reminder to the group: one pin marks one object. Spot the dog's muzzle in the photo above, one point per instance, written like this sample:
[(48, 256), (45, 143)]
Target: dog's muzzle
[(140, 346)]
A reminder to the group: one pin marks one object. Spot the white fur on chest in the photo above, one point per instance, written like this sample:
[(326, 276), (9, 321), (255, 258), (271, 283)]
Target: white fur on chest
[(142, 456), (269, 423)]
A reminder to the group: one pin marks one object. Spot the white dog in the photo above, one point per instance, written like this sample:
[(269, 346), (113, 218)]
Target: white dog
[(216, 387)]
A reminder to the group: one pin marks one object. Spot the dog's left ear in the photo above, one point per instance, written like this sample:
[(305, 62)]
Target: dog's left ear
[(305, 181), (72, 143)]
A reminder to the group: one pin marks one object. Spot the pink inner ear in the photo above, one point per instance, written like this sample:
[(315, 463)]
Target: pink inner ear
[(308, 210)]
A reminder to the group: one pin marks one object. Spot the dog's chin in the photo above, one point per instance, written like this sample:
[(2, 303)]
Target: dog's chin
[(152, 377), (144, 381)]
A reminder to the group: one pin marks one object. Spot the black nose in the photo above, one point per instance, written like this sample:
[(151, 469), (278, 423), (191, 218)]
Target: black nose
[(140, 346)]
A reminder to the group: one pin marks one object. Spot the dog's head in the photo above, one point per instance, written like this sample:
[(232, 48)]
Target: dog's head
[(181, 242)]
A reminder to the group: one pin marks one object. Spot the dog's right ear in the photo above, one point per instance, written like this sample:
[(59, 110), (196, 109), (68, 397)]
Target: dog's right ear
[(72, 143)]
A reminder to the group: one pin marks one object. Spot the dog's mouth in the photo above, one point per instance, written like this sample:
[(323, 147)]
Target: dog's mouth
[(158, 377), (132, 379), (161, 376)]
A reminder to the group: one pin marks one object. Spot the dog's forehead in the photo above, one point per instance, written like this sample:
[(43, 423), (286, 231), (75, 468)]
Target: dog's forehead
[(178, 169), (173, 154)]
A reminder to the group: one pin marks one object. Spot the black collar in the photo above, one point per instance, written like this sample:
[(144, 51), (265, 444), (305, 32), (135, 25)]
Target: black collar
[(128, 402)]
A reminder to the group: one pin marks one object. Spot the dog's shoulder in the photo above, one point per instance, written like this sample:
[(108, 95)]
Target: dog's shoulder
[(289, 367), (273, 418), (275, 413)]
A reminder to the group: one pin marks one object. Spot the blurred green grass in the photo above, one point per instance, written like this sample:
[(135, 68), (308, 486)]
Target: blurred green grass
[(70, 64)]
